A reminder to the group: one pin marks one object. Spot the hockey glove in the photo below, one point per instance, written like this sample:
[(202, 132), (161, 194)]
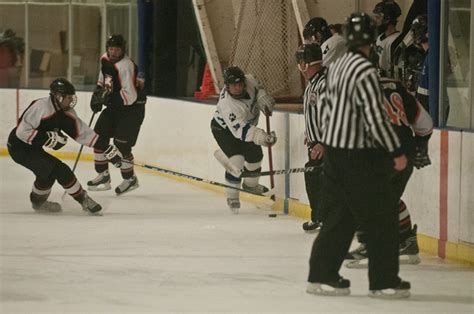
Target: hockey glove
[(55, 140), (113, 155), (100, 97), (265, 102), (263, 138)]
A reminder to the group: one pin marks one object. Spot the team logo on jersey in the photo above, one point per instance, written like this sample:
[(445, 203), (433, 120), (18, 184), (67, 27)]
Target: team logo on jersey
[(326, 50), (232, 117)]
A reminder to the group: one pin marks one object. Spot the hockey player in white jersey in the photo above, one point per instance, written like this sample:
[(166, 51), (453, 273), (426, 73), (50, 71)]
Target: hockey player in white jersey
[(333, 45), (385, 16), (234, 126), (42, 125)]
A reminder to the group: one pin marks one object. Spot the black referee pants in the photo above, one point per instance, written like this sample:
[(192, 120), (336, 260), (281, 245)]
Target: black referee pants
[(357, 191)]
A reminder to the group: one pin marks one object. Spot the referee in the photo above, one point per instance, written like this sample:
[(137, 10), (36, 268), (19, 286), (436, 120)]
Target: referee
[(361, 149), (309, 58)]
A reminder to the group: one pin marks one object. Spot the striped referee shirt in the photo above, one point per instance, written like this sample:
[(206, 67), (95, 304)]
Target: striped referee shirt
[(314, 107), (357, 118)]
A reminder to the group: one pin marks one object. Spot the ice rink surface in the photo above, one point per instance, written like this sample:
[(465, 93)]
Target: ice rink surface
[(170, 247)]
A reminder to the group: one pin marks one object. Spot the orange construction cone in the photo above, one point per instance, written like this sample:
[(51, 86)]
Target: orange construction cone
[(207, 85)]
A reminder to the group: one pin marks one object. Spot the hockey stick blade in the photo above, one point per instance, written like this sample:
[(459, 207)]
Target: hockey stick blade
[(187, 176)]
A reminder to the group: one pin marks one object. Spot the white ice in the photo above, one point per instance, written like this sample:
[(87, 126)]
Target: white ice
[(173, 247)]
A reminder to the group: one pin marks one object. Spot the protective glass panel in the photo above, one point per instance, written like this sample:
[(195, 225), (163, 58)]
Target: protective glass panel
[(458, 64), (86, 46), (12, 45), (48, 50)]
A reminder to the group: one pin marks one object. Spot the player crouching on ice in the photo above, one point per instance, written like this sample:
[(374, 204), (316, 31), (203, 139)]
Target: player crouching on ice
[(42, 124), (234, 127)]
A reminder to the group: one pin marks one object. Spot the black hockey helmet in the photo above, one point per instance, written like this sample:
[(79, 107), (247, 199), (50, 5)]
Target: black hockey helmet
[(359, 30), (309, 53), (315, 26), (62, 86), (233, 74), (116, 40), (419, 28), (59, 89), (390, 9)]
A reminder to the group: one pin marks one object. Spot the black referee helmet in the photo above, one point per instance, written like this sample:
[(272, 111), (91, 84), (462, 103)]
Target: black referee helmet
[(359, 30), (309, 53)]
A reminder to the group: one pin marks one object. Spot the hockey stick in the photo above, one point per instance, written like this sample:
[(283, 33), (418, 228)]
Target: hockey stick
[(270, 158), (187, 176), (232, 169), (79, 153)]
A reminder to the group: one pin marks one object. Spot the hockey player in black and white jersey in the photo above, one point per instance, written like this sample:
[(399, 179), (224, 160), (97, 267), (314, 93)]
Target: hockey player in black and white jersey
[(385, 16), (309, 58), (414, 127), (43, 124), (119, 90), (234, 126), (333, 45)]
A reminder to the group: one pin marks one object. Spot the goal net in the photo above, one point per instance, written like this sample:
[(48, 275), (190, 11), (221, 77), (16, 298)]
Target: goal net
[(264, 44)]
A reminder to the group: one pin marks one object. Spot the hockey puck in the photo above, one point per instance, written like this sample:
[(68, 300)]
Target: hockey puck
[(272, 215)]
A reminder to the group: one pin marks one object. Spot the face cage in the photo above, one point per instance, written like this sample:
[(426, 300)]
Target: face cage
[(59, 101)]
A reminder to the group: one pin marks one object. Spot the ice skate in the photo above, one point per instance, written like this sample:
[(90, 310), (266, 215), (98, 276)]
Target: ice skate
[(100, 183), (259, 189), (311, 227), (90, 206), (357, 258), (127, 185), (333, 288), (399, 292), (234, 205), (409, 249), (47, 207)]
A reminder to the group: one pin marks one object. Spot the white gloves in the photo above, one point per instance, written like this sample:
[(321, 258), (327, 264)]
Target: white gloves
[(262, 138), (55, 140), (265, 102), (113, 155)]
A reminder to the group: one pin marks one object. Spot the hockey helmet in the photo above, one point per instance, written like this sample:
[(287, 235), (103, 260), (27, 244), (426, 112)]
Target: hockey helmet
[(233, 74), (359, 30), (309, 54), (316, 29), (63, 93), (419, 28), (116, 40), (389, 9)]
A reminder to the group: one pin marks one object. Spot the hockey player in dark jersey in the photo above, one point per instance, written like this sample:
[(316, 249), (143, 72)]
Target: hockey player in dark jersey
[(43, 124), (414, 126), (119, 91)]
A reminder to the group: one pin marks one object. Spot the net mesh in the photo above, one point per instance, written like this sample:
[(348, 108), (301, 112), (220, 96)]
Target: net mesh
[(264, 44)]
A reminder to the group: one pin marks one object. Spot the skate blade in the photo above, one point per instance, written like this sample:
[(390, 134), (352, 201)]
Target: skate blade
[(410, 259), (136, 186), (389, 294), (326, 290), (99, 213), (357, 263), (100, 187)]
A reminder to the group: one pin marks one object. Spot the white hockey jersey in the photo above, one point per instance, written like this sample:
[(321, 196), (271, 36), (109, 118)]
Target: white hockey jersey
[(41, 116), (382, 48), (333, 48), (240, 116)]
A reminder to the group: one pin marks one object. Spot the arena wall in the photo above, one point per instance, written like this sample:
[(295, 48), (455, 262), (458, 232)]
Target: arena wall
[(176, 136)]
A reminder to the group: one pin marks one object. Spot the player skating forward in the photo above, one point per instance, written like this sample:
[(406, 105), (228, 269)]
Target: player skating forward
[(42, 124), (414, 126), (234, 126)]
